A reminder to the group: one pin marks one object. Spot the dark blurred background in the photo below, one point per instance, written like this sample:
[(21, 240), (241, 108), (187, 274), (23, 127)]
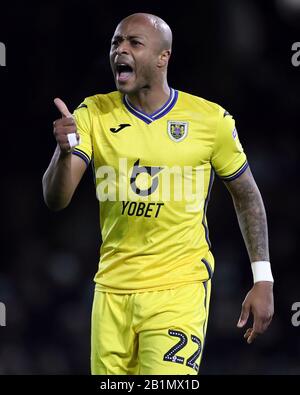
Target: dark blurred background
[(234, 52)]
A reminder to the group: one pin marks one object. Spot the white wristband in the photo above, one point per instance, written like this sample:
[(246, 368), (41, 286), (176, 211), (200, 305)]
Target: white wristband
[(72, 139), (261, 271)]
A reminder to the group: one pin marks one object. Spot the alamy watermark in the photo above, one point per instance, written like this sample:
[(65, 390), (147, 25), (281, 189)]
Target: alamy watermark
[(142, 183), (296, 315), (2, 314), (2, 54), (296, 55)]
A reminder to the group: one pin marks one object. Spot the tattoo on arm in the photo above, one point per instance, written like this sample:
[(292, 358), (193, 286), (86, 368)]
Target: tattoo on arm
[(251, 215)]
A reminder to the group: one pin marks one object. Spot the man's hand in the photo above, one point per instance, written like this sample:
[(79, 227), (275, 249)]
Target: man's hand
[(259, 301), (63, 127)]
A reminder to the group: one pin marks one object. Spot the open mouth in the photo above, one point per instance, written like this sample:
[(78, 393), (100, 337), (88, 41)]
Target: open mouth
[(124, 72)]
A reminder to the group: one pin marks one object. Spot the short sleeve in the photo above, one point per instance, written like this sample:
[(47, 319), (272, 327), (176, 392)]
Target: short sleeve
[(82, 117), (228, 157)]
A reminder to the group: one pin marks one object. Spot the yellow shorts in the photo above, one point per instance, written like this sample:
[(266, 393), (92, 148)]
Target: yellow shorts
[(158, 332)]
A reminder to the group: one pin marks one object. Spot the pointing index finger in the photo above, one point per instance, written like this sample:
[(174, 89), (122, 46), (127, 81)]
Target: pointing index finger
[(63, 109)]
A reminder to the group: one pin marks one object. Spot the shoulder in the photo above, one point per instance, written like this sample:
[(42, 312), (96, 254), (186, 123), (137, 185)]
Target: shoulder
[(201, 105), (102, 102)]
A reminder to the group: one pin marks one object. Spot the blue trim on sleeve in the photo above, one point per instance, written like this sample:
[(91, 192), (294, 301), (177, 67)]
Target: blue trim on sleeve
[(82, 156), (235, 175)]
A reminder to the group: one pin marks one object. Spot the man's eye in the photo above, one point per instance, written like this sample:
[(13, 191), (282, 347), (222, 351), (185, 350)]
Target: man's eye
[(134, 42)]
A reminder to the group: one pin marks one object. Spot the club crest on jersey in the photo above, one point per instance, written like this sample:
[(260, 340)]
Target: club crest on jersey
[(177, 130)]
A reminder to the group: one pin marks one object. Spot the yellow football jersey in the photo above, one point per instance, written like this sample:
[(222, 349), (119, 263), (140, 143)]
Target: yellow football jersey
[(153, 178)]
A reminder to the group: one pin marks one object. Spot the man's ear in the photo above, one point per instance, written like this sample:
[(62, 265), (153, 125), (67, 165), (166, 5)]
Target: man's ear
[(164, 58)]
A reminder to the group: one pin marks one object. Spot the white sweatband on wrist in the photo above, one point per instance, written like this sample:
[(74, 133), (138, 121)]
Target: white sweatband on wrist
[(72, 139), (261, 271)]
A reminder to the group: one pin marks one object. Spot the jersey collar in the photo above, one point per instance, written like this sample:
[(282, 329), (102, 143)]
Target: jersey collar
[(148, 118)]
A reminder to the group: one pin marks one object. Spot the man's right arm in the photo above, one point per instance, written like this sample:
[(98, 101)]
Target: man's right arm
[(65, 170)]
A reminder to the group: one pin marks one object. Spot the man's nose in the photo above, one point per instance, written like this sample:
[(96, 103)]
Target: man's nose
[(122, 48)]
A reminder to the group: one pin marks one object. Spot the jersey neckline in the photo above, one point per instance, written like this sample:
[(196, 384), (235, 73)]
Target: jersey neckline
[(148, 118)]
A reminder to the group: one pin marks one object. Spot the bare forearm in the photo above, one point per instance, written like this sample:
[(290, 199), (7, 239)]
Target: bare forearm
[(57, 181), (252, 219)]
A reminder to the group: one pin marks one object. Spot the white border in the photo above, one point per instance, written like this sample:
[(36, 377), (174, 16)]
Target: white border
[(185, 134)]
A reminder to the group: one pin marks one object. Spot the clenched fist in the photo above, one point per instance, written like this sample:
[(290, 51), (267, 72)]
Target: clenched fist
[(64, 129)]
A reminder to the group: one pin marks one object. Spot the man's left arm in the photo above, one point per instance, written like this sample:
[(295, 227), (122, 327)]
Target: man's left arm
[(252, 220)]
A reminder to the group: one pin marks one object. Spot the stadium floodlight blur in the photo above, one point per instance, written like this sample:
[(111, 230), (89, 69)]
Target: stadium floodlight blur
[(289, 9)]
